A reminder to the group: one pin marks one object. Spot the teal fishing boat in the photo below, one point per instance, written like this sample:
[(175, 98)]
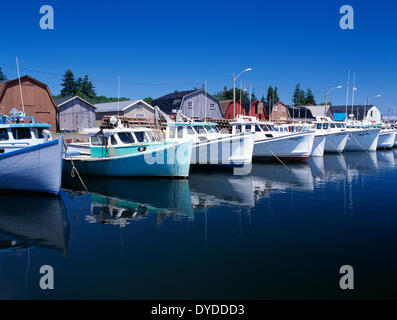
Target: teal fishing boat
[(130, 152)]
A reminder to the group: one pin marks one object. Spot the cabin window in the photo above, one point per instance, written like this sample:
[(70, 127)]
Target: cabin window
[(190, 130), (325, 126), (180, 132), (127, 137), (150, 136), (238, 128), (332, 125), (172, 132), (264, 128), (141, 137), (216, 130), (201, 130), (248, 128), (372, 114), (98, 140), (257, 128), (338, 125), (38, 133), (113, 140), (3, 135), (21, 133), (209, 129), (318, 126)]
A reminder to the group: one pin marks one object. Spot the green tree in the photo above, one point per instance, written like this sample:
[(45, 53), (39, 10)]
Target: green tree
[(270, 94), (3, 77), (298, 98), (275, 95), (69, 84), (310, 98), (253, 96), (263, 98), (87, 88), (148, 100)]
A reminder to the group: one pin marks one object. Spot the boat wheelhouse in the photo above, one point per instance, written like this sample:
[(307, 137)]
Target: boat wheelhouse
[(336, 135), (29, 159), (121, 151), (210, 146), (275, 143)]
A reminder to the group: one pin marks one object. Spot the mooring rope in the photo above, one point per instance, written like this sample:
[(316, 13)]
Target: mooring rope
[(359, 144), (75, 170), (276, 156)]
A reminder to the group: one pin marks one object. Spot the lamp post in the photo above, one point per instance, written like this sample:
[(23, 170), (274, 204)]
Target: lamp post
[(327, 93), (368, 100), (234, 89)]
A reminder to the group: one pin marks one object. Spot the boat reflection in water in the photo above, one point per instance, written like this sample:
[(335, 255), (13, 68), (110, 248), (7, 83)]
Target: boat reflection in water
[(120, 201), (35, 221), (386, 159)]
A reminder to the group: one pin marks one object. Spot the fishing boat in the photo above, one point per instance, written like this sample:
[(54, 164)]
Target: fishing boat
[(29, 159), (271, 143), (117, 151), (336, 135), (210, 146), (319, 138), (387, 138)]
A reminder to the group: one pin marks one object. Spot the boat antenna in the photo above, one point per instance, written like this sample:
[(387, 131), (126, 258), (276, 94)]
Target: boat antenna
[(354, 89), (347, 93), (118, 96), (205, 100), (20, 86), (250, 98)]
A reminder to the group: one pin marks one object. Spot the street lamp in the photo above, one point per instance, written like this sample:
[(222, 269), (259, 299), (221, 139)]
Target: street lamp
[(327, 93), (234, 89), (368, 100)]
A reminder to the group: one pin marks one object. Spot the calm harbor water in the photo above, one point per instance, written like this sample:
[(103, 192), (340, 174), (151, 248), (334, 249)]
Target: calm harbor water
[(276, 234)]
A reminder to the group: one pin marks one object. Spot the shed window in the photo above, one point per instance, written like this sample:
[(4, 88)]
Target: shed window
[(275, 108), (126, 137), (3, 135), (141, 137), (139, 115), (190, 104), (283, 108), (212, 106), (21, 133)]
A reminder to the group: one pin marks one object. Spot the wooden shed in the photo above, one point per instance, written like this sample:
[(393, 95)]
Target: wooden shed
[(129, 108), (37, 99), (75, 114)]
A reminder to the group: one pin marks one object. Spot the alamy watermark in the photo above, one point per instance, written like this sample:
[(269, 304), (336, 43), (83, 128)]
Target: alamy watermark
[(47, 20), (347, 20)]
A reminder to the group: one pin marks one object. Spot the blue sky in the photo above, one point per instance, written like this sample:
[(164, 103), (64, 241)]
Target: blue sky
[(159, 46)]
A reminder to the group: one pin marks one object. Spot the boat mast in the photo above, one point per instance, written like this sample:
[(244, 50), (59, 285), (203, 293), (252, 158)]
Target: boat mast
[(20, 86), (118, 96), (347, 93), (354, 89)]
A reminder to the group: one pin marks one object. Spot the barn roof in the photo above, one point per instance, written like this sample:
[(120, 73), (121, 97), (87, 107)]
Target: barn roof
[(61, 101), (114, 106), (358, 110), (174, 100), (224, 105)]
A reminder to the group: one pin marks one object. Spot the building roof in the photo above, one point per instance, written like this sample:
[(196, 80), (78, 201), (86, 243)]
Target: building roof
[(357, 110), (61, 101), (114, 106), (224, 105), (318, 111), (174, 100), (300, 112)]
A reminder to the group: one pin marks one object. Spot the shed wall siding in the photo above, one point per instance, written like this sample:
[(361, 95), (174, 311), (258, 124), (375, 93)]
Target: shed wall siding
[(76, 115), (198, 105)]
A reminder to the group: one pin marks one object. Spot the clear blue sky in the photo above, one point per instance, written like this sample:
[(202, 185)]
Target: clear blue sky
[(159, 46)]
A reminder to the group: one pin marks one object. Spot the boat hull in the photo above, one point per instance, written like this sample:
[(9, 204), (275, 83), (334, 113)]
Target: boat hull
[(362, 140), (318, 146), (386, 140), (172, 161), (336, 142), (36, 169), (291, 147), (231, 151)]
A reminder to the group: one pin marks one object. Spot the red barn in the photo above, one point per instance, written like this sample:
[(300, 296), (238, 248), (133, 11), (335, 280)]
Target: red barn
[(258, 110), (227, 109)]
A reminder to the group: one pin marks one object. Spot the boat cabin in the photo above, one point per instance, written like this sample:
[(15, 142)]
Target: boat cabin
[(20, 132), (247, 124), (110, 142), (198, 131)]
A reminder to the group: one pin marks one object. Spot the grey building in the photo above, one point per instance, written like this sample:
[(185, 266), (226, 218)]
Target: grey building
[(75, 114), (130, 108), (193, 104)]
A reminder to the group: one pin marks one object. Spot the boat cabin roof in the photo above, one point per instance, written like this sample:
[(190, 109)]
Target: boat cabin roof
[(19, 122), (110, 131), (191, 124)]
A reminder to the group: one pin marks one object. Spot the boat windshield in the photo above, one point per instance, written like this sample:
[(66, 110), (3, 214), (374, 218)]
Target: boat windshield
[(21, 133), (264, 128), (190, 130), (200, 130), (3, 134), (257, 128), (38, 133), (248, 128), (98, 140), (141, 137), (126, 137), (209, 129), (216, 130)]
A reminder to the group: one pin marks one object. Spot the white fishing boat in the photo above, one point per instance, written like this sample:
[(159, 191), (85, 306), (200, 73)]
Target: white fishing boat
[(362, 136), (319, 138), (29, 159), (387, 138), (336, 135), (210, 146), (271, 143), (132, 152)]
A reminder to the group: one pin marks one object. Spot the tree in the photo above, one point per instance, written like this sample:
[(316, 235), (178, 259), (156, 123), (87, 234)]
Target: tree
[(87, 88), (69, 84), (310, 98), (148, 100), (253, 97), (263, 98), (298, 98), (228, 94), (3, 77), (270, 94), (275, 95)]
